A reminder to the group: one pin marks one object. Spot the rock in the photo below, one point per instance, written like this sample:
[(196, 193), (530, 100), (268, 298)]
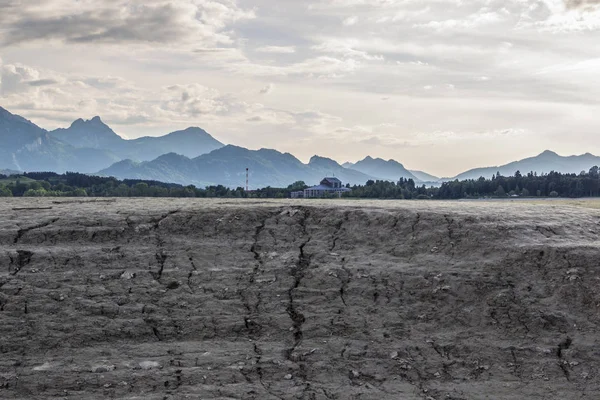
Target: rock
[(128, 275), (44, 367), (288, 377), (147, 365), (100, 368)]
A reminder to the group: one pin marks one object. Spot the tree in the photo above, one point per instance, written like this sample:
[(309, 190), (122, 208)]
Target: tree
[(500, 192), (79, 192), (297, 186), (5, 192), (140, 189)]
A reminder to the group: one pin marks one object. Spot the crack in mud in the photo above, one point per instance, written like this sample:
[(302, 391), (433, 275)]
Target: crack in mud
[(21, 232), (298, 272)]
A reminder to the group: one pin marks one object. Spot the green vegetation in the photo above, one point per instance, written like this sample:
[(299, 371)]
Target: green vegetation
[(554, 184), (50, 184)]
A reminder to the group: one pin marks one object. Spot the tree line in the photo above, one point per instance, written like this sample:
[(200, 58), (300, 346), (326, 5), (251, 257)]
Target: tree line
[(72, 184), (553, 184)]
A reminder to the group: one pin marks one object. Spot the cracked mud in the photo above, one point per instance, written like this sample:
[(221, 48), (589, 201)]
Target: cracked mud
[(175, 299)]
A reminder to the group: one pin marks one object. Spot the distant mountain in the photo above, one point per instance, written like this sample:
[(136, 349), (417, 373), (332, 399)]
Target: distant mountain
[(94, 133), (389, 170), (191, 142), (227, 166), (27, 147), (545, 162), (424, 176), (323, 167), (9, 172)]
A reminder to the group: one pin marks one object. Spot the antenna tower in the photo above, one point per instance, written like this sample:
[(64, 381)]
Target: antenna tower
[(247, 175)]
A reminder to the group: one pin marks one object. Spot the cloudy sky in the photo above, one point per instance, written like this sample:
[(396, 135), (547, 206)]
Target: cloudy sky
[(442, 85)]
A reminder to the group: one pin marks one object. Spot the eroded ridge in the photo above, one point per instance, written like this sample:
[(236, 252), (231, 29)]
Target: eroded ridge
[(297, 300)]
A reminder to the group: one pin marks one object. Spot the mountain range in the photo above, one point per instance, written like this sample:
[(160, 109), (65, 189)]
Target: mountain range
[(227, 166), (95, 134), (193, 156), (87, 146), (545, 162)]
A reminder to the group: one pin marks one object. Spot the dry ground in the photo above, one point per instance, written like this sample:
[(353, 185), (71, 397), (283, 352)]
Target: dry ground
[(214, 299)]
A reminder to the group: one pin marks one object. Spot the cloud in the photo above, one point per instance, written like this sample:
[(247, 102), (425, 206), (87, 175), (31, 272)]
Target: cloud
[(267, 89), (346, 48), (454, 135), (277, 49), (350, 21), (42, 82), (581, 3), (322, 67), (120, 21)]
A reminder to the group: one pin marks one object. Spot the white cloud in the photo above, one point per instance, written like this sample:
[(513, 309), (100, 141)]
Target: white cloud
[(267, 89), (350, 21), (277, 49)]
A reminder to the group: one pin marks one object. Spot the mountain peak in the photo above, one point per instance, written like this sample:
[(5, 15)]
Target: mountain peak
[(548, 153), (96, 119), (323, 161)]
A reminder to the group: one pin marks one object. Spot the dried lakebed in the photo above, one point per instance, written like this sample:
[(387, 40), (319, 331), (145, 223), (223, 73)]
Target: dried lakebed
[(174, 299)]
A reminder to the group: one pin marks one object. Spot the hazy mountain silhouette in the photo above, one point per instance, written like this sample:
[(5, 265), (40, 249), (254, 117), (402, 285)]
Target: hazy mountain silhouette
[(227, 166), (94, 133), (543, 163), (390, 170), (27, 147), (424, 176)]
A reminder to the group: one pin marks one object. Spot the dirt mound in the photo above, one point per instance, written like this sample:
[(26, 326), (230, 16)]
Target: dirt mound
[(175, 299)]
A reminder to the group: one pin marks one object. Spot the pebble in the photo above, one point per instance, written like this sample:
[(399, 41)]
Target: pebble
[(147, 365), (99, 368)]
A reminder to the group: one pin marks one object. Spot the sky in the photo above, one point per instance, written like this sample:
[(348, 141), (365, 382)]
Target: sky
[(441, 86)]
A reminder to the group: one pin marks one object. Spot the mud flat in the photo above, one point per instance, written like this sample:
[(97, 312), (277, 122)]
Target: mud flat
[(187, 299)]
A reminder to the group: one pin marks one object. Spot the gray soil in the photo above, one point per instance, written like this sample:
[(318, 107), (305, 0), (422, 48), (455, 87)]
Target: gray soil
[(188, 299)]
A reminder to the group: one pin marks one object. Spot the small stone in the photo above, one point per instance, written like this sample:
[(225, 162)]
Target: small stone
[(288, 377), (128, 275), (355, 373), (100, 368), (147, 365), (44, 367), (394, 355)]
